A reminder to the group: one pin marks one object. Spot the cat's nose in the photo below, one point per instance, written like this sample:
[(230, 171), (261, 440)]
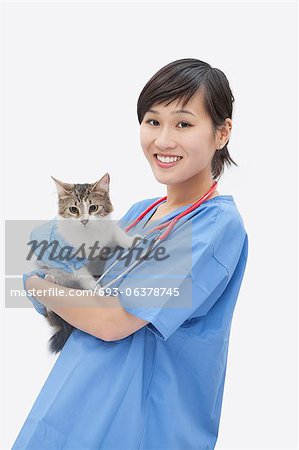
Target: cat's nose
[(84, 221)]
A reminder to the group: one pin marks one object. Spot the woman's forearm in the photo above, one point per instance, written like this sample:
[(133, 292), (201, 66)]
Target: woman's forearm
[(91, 314)]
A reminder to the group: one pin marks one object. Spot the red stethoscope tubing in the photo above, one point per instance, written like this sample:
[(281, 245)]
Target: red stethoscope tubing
[(171, 223), (168, 225)]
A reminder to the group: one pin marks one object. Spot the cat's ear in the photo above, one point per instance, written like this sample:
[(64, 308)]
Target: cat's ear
[(102, 184), (63, 188)]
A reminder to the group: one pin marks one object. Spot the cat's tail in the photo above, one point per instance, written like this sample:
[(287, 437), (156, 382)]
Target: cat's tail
[(57, 341)]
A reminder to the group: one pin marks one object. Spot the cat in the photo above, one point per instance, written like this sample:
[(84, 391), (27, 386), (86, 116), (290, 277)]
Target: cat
[(83, 210)]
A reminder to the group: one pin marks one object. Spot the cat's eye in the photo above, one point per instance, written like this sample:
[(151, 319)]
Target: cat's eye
[(73, 209), (93, 208)]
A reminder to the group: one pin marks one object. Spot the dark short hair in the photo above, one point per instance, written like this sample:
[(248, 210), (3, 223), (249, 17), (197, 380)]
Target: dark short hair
[(180, 80)]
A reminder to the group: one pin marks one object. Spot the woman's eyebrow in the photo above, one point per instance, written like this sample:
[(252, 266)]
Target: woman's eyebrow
[(173, 112)]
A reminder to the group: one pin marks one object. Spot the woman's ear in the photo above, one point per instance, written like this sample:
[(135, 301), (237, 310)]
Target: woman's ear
[(224, 133)]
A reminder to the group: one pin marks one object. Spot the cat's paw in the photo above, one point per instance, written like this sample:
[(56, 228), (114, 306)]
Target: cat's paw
[(50, 277)]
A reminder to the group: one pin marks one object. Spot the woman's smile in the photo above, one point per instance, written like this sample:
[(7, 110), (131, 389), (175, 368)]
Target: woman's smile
[(167, 161)]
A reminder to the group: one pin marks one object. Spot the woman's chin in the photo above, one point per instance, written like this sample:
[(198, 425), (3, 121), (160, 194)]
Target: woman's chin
[(165, 178)]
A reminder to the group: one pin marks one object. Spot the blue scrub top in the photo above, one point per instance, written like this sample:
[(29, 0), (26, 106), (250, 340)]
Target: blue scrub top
[(162, 386)]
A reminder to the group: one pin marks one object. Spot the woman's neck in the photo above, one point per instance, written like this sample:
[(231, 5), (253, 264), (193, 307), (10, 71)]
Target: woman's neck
[(187, 192)]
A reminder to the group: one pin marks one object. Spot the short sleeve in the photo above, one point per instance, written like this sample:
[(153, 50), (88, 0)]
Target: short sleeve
[(40, 308), (215, 255)]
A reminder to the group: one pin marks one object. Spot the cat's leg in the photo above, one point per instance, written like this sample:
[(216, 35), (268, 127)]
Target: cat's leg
[(123, 239), (84, 278), (58, 276)]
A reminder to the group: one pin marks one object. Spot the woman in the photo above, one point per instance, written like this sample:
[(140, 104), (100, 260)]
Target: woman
[(147, 374)]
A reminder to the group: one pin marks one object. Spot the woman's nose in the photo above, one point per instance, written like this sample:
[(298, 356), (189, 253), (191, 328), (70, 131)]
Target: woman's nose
[(165, 140)]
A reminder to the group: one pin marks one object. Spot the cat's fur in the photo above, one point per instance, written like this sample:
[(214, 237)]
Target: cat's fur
[(84, 226)]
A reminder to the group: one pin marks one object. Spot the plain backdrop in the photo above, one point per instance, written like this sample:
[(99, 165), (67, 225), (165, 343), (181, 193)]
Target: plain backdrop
[(71, 75)]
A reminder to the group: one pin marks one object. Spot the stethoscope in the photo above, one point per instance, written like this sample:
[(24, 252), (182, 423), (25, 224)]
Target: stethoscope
[(167, 226)]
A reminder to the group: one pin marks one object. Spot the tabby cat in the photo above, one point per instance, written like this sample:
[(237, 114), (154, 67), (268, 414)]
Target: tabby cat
[(83, 210)]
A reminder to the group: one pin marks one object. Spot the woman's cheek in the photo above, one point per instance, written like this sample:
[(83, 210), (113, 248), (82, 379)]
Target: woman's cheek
[(145, 140), (195, 162)]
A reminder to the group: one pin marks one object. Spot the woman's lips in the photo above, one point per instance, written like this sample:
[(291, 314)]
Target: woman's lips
[(166, 165)]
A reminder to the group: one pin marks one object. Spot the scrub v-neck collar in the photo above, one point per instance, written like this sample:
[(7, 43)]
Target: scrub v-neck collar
[(169, 216), (144, 222)]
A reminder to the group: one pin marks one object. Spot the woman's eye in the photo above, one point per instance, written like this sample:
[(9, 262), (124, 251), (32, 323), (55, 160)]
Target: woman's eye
[(155, 123), (185, 123), (73, 209), (152, 120), (93, 208)]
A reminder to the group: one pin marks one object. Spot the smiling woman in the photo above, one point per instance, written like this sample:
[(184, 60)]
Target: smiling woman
[(130, 378), (185, 148)]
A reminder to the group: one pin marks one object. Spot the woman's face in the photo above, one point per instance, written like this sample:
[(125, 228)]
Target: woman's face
[(168, 132)]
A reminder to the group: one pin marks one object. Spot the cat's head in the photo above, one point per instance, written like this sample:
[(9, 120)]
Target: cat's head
[(84, 202)]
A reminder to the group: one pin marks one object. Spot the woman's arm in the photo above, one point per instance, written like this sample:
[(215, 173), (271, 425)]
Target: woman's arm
[(104, 317)]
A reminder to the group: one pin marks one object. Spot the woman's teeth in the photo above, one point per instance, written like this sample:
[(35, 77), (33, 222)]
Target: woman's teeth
[(168, 159)]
